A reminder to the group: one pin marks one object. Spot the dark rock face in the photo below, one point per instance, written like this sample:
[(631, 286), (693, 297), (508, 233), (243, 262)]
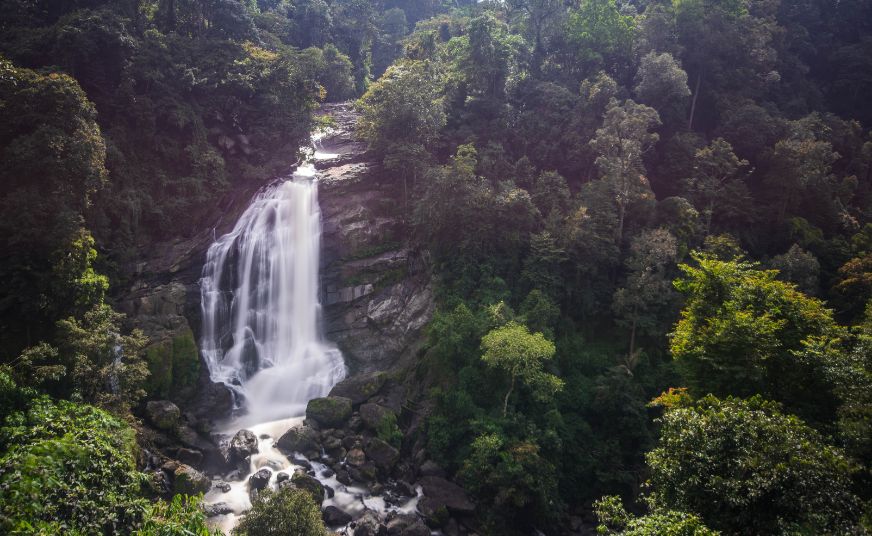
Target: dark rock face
[(243, 445), (334, 517), (372, 415), (330, 411), (163, 414), (259, 480), (360, 388), (448, 494), (377, 291), (384, 455)]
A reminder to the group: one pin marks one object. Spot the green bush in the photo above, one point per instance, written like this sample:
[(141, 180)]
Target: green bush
[(286, 512), (180, 517), (388, 431), (68, 466)]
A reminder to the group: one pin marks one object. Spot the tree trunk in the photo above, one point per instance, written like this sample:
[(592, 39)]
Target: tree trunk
[(693, 102), (632, 341), (506, 401), (622, 211)]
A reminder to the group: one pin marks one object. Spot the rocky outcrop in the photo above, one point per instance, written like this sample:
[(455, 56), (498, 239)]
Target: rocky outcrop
[(376, 290)]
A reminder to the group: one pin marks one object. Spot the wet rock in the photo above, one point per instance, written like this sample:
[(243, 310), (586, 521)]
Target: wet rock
[(404, 489), (431, 468), (406, 525), (327, 473), (163, 414), (221, 485), (189, 481), (329, 491), (217, 509), (159, 484), (360, 388), (369, 525), (334, 517), (384, 455), (355, 457), (243, 445), (343, 477), (281, 477), (441, 492), (309, 484), (302, 462), (329, 411), (260, 479), (302, 439), (373, 415), (189, 456)]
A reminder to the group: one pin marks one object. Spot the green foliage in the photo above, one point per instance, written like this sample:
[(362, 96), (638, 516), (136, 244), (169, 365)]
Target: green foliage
[(286, 512), (513, 479), (401, 105), (67, 466), (744, 332), (173, 365), (616, 520), (182, 516), (388, 431), (521, 355), (53, 166), (743, 466)]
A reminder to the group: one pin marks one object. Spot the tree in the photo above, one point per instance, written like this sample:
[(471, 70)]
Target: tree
[(746, 468), (647, 292), (403, 105), (600, 37), (286, 512), (614, 519), (662, 84), (743, 332), (799, 267), (53, 165), (621, 142), (717, 179), (522, 355), (487, 55)]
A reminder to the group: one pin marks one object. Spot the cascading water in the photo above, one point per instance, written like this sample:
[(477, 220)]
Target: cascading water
[(261, 306)]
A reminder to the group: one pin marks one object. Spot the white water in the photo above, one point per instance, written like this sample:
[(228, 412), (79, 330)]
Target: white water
[(261, 306)]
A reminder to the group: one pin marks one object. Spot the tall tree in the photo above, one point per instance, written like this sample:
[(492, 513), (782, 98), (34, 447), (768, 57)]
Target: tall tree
[(621, 142)]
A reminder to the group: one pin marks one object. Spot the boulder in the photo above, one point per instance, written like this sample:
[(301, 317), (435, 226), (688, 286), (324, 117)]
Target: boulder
[(309, 484), (331, 411), (431, 468), (243, 445), (189, 456), (369, 525), (217, 509), (355, 457), (363, 474), (406, 525), (360, 388), (373, 415), (281, 477), (163, 414), (334, 517), (441, 492), (189, 481), (302, 439), (384, 455), (260, 479)]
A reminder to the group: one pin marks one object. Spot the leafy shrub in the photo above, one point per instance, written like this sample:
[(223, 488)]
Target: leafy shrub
[(286, 512), (388, 431), (180, 517), (69, 467)]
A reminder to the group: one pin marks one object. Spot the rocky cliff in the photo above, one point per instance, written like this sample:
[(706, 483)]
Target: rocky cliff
[(375, 289)]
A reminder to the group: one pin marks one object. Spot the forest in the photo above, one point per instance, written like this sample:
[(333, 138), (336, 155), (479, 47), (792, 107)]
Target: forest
[(648, 225)]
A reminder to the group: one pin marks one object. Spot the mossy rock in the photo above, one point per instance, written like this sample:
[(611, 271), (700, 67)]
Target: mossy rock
[(331, 411), (174, 364)]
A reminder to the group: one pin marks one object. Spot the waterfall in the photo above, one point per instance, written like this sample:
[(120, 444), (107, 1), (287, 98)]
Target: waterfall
[(261, 307)]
